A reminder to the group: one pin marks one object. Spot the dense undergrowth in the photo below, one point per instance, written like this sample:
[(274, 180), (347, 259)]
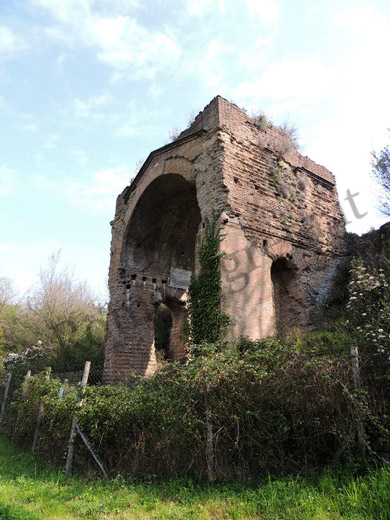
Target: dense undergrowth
[(276, 407)]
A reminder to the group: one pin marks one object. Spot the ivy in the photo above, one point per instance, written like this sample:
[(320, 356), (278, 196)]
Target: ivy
[(207, 322)]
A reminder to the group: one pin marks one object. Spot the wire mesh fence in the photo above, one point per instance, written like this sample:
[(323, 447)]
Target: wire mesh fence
[(74, 378), (78, 378), (11, 382)]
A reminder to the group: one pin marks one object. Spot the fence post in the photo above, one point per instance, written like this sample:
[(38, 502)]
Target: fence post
[(209, 439), (6, 390), (39, 418), (28, 374), (73, 429), (361, 437), (94, 455)]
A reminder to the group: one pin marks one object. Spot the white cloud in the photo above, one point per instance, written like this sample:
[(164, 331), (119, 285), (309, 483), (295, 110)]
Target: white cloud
[(50, 141), (96, 192), (128, 47), (3, 103), (100, 192), (81, 156), (7, 180), (87, 107), (359, 19), (30, 127), (209, 62), (197, 7), (155, 91), (13, 261), (288, 83), (61, 58), (253, 58), (128, 130), (263, 11), (213, 63), (360, 110), (118, 40), (132, 129), (135, 120), (122, 6), (66, 11), (10, 43)]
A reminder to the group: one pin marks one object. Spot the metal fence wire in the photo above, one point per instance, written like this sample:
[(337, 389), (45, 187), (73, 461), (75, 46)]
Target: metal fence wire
[(74, 378)]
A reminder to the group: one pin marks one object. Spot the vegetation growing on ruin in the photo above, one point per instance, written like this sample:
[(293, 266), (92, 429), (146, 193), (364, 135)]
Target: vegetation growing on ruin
[(262, 121), (207, 321), (279, 169), (175, 133), (288, 130)]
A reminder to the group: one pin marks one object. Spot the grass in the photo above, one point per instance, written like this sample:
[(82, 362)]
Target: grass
[(31, 491)]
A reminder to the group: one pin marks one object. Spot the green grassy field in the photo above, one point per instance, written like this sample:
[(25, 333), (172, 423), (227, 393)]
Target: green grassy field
[(29, 491)]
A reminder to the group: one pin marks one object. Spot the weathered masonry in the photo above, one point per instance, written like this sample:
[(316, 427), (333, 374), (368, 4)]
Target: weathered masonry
[(279, 214)]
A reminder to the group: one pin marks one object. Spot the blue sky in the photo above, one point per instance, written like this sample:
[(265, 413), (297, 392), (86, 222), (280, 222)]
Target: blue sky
[(89, 87)]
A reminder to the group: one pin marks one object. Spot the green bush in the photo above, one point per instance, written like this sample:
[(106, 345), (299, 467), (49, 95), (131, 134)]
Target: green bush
[(274, 408)]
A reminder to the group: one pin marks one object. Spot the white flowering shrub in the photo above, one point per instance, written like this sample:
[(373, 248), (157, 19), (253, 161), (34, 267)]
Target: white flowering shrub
[(368, 311), (33, 358), (13, 362)]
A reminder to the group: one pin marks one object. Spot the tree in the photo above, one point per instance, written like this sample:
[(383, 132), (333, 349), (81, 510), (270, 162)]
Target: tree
[(381, 172), (61, 317), (7, 296), (7, 293), (64, 316)]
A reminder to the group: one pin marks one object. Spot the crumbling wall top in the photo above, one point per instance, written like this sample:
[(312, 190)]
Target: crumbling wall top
[(234, 120)]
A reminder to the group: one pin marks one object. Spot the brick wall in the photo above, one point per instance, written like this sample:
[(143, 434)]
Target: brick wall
[(279, 214)]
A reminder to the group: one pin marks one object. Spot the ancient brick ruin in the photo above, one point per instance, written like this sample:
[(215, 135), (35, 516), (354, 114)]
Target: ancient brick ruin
[(279, 214)]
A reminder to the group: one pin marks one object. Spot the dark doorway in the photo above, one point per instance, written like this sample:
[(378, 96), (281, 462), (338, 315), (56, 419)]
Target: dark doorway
[(286, 305), (162, 333)]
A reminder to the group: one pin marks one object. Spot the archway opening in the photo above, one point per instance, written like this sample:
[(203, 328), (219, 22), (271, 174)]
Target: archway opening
[(157, 259), (286, 306), (169, 330), (162, 333)]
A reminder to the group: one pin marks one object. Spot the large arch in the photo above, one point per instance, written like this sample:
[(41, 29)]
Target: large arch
[(162, 229), (158, 248)]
